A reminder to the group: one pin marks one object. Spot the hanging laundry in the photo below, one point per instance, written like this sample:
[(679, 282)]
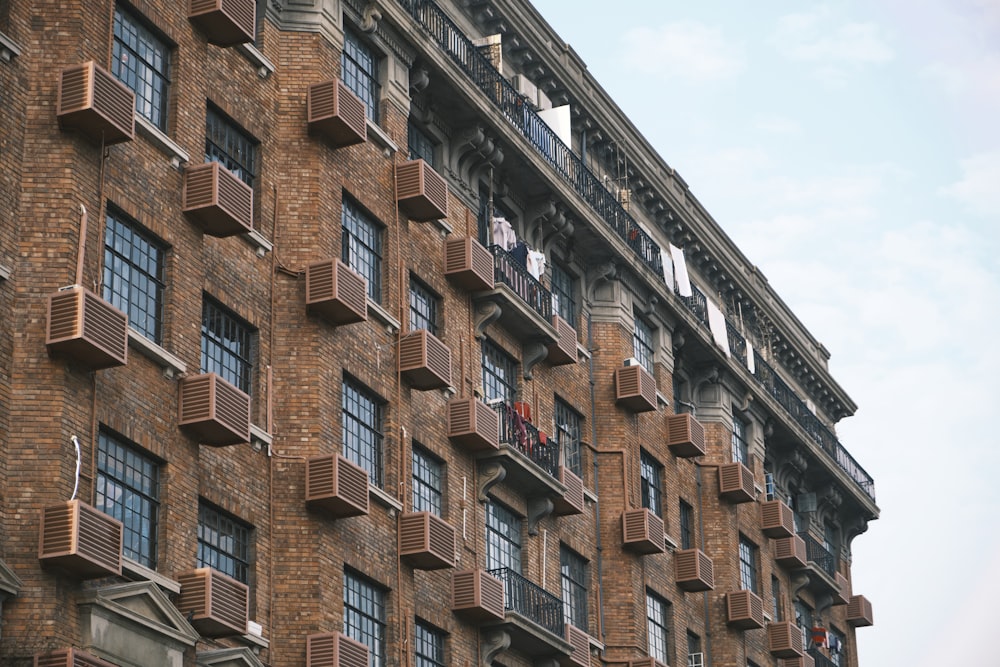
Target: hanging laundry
[(503, 233), (520, 253), (536, 264)]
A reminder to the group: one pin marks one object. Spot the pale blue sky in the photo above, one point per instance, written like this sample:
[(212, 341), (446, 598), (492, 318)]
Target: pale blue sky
[(852, 150)]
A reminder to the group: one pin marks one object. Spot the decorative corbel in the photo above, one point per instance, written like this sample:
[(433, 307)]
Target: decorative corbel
[(534, 352), (491, 473), (799, 581), (487, 312), (370, 18), (602, 272), (539, 507), (493, 644)]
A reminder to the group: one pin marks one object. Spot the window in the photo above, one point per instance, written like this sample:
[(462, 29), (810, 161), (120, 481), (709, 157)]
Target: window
[(651, 474), (503, 538), (359, 65), (748, 565), (776, 599), (223, 542), (364, 615), (563, 303), (567, 432), (573, 569), (362, 247), (694, 644), (128, 490), (686, 525), (830, 539), (133, 274), (740, 452), (362, 429), (428, 649), (228, 345), (642, 343), (499, 373), (656, 626), (140, 60), (420, 143), (804, 619), (678, 389), (427, 475), (424, 306), (230, 146), (838, 649)]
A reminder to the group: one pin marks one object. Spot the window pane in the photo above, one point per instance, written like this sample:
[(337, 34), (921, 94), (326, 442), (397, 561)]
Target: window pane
[(362, 247), (223, 543), (359, 70), (740, 451), (128, 490), (428, 646), (656, 626), (642, 343), (230, 146), (227, 345), (427, 472), (139, 59), (133, 274), (364, 616), (420, 143), (567, 433), (423, 308), (503, 538), (748, 565), (499, 373), (687, 525), (573, 570), (650, 473), (563, 302), (362, 430)]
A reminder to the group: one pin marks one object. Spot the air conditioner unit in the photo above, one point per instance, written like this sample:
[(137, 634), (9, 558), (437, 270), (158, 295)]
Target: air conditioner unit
[(696, 660), (332, 649), (225, 22), (631, 361), (421, 192), (93, 101), (69, 657), (215, 604), (477, 596), (468, 264), (336, 292), (336, 114), (217, 200)]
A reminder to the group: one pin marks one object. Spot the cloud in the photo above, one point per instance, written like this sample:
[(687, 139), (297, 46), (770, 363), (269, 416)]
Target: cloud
[(978, 191), (686, 50), (779, 125)]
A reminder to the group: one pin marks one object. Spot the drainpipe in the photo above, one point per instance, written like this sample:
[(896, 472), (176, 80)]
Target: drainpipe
[(701, 540), (597, 503)]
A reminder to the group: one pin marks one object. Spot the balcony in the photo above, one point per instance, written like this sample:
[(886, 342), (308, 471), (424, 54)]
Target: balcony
[(533, 617), (694, 571), (822, 564), (685, 436), (518, 302), (776, 519), (859, 612), (790, 552)]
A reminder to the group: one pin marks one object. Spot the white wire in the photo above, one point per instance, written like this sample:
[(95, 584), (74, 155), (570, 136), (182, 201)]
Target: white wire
[(76, 483)]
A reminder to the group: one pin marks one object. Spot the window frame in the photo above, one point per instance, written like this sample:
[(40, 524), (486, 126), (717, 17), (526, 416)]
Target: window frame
[(425, 307), (365, 624), (497, 364), (685, 524), (504, 541), (139, 543), (231, 530), (428, 645), (366, 452), (234, 341), (644, 343), (568, 425), (740, 446), (749, 559), (657, 627), (144, 257), (574, 576), (427, 473), (362, 243), (225, 145), (420, 144), (651, 482), (360, 67), (151, 78), (563, 287)]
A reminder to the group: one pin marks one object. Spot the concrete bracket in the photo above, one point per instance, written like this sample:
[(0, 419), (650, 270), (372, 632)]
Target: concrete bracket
[(491, 473)]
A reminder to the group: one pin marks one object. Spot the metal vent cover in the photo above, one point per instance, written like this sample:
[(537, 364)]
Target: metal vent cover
[(842, 595), (216, 605), (790, 552), (685, 436), (95, 103), (424, 360), (213, 411), (426, 541), (477, 596), (642, 531), (572, 501), (69, 657), (784, 640), (87, 329), (80, 539), (336, 293), (859, 611), (776, 519), (580, 642), (744, 610), (635, 389), (217, 201), (563, 351), (736, 483), (333, 649), (473, 425), (468, 264), (694, 570), (336, 486), (225, 22), (421, 192), (336, 114)]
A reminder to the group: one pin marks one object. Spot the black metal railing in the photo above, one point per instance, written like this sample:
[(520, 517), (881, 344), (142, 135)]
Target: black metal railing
[(512, 105), (531, 601), (513, 274), (737, 343), (525, 438), (817, 553), (820, 660)]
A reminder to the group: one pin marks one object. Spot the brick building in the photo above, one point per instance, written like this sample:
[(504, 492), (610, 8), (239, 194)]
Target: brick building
[(347, 333)]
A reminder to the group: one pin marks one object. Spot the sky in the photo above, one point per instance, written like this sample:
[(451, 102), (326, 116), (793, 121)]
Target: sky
[(852, 150)]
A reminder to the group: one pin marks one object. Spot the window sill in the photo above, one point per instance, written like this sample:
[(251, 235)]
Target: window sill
[(5, 272), (589, 495), (9, 49), (178, 156), (443, 227), (581, 351), (383, 316), (259, 242), (265, 67), (381, 139), (251, 639), (172, 366), (384, 499), (137, 572)]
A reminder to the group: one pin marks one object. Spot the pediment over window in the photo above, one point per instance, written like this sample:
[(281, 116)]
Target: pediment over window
[(134, 624), (228, 657)]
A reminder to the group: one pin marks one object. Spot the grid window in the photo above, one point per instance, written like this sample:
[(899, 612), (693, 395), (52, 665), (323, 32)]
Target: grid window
[(651, 474), (563, 302), (741, 453), (362, 430), (223, 543), (838, 650), (686, 525), (140, 60), (227, 345), (128, 490), (567, 431), (427, 476), (656, 626), (804, 619), (694, 643), (776, 599), (503, 538), (133, 275), (364, 615), (748, 565), (642, 343), (359, 67), (230, 146), (420, 143), (573, 569), (428, 647), (424, 306), (499, 373), (362, 247)]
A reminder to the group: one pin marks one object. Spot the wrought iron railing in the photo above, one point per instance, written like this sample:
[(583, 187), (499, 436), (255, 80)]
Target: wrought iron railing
[(513, 274), (531, 601), (525, 438), (820, 660), (817, 553), (549, 146), (737, 343)]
